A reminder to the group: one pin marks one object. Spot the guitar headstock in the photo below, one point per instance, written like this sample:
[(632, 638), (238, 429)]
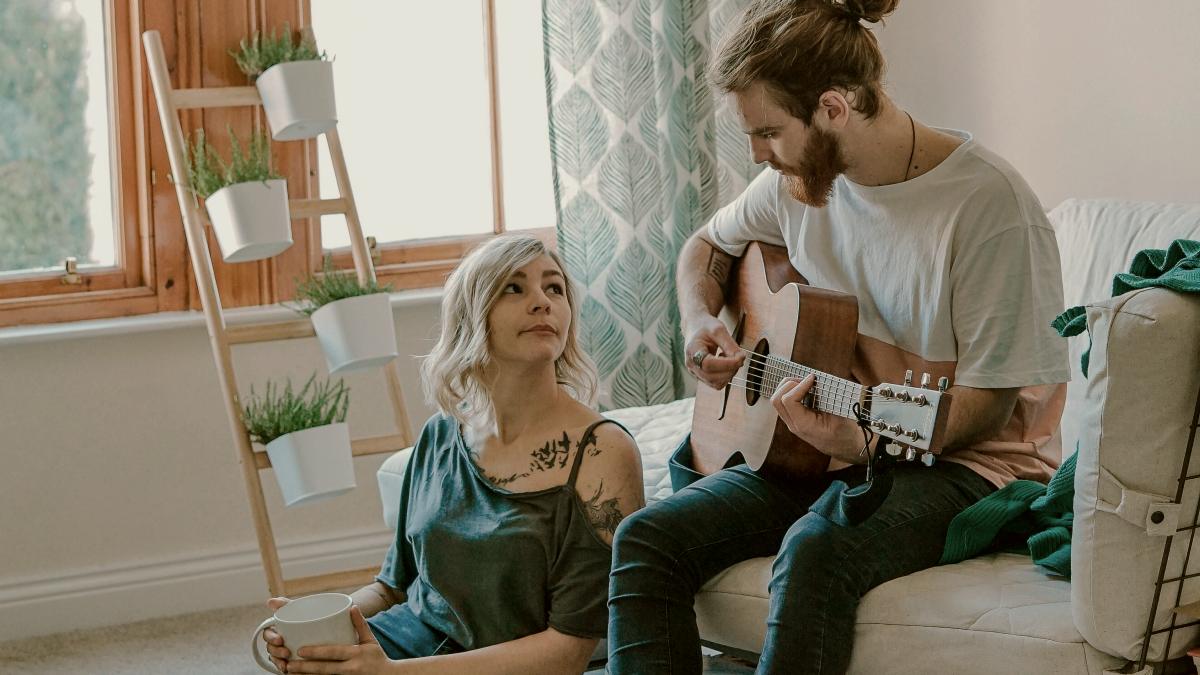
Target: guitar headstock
[(913, 417)]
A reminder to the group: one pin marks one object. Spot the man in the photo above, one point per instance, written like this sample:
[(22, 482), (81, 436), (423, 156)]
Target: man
[(956, 270)]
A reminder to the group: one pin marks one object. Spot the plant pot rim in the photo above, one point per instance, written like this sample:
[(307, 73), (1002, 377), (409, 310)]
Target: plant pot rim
[(300, 431), (292, 63)]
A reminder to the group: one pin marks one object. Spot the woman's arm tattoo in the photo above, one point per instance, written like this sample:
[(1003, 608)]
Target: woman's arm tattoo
[(603, 514)]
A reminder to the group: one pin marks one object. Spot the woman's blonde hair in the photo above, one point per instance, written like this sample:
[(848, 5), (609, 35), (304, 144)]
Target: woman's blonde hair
[(454, 373), (800, 49)]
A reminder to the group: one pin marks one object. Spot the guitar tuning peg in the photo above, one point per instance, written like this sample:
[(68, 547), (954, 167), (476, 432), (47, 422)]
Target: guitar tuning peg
[(908, 378), (910, 454), (924, 380), (928, 458), (894, 449), (943, 384)]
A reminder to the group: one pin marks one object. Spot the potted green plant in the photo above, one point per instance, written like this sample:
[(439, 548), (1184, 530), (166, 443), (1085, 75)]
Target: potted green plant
[(306, 437), (247, 202), (353, 321), (294, 80)]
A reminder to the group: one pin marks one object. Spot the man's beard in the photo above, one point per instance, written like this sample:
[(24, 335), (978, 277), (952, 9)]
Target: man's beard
[(820, 164)]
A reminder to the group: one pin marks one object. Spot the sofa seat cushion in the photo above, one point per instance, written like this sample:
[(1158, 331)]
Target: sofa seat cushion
[(998, 609)]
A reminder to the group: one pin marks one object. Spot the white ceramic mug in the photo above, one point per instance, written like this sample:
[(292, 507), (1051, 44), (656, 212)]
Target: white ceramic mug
[(321, 619)]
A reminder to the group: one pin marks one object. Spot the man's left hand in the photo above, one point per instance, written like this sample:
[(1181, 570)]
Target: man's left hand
[(833, 435)]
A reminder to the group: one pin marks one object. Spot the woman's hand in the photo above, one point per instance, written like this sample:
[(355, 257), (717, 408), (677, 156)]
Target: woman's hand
[(365, 658), (279, 653), (833, 435)]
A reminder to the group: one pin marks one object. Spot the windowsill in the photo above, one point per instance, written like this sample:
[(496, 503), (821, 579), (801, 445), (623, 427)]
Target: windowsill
[(146, 323)]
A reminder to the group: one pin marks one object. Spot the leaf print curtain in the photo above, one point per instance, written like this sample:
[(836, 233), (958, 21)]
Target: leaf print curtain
[(643, 154)]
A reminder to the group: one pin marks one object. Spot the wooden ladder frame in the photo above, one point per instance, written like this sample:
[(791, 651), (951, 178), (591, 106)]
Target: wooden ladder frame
[(170, 102)]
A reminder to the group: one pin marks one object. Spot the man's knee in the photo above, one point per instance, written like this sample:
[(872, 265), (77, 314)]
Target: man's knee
[(814, 547), (642, 533)]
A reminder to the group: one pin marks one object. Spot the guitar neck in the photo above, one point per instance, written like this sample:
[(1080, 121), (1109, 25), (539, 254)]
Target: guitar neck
[(831, 394)]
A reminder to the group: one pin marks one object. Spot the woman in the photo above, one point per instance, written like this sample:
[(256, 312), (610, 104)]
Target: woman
[(511, 496)]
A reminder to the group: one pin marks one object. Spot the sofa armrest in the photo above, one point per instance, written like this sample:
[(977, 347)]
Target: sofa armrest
[(390, 477)]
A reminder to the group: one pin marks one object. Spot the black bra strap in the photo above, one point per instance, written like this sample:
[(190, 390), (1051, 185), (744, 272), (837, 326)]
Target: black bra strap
[(588, 435)]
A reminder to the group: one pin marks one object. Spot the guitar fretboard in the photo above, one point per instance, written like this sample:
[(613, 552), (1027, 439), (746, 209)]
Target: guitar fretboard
[(831, 394)]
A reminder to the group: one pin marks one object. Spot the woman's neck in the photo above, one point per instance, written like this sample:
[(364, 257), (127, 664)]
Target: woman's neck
[(522, 400)]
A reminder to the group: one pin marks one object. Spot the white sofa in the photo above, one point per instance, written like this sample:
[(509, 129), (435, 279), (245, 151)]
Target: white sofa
[(998, 613)]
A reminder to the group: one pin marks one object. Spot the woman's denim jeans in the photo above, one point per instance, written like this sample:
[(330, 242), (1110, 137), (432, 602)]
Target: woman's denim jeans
[(664, 553)]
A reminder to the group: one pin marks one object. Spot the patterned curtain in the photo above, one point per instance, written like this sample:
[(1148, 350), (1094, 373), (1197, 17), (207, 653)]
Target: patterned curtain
[(643, 154)]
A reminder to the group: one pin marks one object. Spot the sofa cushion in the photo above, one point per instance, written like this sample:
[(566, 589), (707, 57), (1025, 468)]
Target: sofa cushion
[(997, 611)]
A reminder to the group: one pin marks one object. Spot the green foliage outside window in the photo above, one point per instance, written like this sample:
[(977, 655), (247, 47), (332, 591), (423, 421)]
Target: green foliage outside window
[(45, 164)]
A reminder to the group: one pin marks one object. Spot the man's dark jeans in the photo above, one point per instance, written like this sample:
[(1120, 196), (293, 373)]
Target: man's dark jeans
[(664, 553)]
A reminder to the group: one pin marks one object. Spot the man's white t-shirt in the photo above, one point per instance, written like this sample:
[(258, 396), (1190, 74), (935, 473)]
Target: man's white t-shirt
[(956, 273)]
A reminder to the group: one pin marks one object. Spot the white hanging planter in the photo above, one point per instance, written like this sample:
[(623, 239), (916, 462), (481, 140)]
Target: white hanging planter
[(356, 333), (251, 219), (313, 464), (298, 98)]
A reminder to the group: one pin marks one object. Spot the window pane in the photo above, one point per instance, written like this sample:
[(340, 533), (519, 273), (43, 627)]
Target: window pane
[(55, 171), (412, 116), (525, 138)]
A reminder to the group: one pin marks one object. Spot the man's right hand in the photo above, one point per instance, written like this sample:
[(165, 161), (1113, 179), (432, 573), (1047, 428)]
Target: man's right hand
[(279, 653), (723, 356)]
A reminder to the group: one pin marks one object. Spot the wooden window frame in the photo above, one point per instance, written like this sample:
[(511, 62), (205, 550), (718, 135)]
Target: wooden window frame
[(128, 288), (154, 273)]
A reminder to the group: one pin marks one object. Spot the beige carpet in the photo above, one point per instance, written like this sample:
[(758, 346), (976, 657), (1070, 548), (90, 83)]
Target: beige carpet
[(207, 642)]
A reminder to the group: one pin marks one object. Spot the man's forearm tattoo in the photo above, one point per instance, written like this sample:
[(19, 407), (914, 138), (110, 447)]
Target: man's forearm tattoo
[(719, 266), (603, 514)]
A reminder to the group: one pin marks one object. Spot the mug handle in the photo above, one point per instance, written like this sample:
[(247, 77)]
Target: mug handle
[(263, 663)]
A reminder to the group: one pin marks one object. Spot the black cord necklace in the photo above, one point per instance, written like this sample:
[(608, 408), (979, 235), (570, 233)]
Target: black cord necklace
[(913, 147)]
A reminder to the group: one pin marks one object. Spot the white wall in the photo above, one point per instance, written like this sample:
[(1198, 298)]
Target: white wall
[(1086, 98), (120, 493), (121, 497)]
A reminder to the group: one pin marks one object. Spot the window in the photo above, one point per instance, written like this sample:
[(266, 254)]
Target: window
[(442, 121), (442, 117), (67, 121)]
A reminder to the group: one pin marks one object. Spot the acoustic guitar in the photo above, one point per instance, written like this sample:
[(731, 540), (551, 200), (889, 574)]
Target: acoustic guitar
[(787, 328)]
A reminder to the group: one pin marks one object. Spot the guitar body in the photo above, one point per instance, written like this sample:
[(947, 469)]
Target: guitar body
[(777, 313)]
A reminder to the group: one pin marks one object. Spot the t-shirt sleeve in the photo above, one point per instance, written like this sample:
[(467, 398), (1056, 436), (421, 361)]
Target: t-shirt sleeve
[(1005, 292), (579, 590), (753, 216), (399, 567)]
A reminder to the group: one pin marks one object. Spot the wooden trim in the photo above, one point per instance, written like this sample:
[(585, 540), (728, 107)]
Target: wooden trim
[(493, 78), (426, 263), (77, 306), (266, 332), (301, 586), (215, 97), (49, 284)]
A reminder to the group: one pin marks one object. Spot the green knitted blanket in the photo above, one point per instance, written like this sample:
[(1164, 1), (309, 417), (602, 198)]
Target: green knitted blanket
[(1023, 515), (1176, 268)]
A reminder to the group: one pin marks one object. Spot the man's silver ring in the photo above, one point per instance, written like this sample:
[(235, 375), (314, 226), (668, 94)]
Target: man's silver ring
[(698, 358)]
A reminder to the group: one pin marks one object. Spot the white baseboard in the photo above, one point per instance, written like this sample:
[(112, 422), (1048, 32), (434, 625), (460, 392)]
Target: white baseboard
[(102, 597)]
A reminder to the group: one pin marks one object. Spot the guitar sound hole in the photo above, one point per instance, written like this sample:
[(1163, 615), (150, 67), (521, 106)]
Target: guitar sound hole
[(755, 370)]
